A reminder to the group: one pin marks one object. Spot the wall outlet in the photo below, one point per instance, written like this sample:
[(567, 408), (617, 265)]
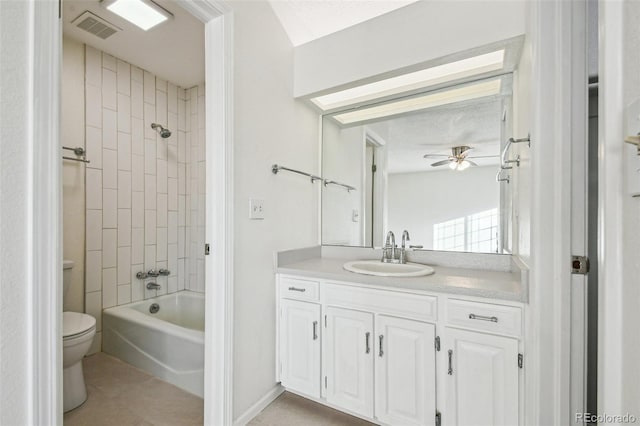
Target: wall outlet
[(355, 215), (256, 209)]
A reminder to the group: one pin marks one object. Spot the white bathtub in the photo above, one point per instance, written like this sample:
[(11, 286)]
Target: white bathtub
[(168, 344)]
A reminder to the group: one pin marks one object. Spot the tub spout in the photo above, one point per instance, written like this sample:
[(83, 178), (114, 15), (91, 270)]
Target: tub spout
[(153, 286)]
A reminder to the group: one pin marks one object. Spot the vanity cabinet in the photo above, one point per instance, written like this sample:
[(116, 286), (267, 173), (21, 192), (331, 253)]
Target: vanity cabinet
[(300, 346), (399, 357), (481, 385)]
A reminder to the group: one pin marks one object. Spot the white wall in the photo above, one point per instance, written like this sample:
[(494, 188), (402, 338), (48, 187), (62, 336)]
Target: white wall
[(145, 193), (631, 226), (72, 129), (420, 32), (270, 127), (343, 161), (417, 201)]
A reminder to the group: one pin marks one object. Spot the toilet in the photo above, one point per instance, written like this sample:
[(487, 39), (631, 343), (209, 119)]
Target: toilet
[(78, 331)]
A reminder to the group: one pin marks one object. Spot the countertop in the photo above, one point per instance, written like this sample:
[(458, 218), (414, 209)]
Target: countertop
[(469, 282)]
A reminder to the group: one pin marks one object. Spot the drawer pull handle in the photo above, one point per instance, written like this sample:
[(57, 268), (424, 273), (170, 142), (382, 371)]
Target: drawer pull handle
[(366, 341), (450, 371), (301, 290), (381, 352), (315, 330), (483, 318)]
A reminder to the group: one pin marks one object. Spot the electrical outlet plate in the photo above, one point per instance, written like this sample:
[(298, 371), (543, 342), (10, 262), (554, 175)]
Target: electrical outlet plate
[(632, 155), (256, 209)]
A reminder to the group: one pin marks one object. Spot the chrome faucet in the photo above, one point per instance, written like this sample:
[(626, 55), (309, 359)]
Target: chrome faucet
[(153, 286), (403, 253), (390, 244)]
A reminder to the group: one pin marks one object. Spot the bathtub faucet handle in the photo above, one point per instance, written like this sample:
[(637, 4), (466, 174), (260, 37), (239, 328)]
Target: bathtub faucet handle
[(141, 275), (152, 273), (153, 286), (164, 272)]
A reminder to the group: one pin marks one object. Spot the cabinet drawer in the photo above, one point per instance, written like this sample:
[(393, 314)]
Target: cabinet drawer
[(294, 288), (394, 303), (485, 316)]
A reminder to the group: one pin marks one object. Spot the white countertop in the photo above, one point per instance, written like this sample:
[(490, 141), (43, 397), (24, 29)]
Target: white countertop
[(470, 282)]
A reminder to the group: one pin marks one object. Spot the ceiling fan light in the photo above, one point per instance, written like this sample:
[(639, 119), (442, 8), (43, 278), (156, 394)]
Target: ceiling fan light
[(464, 164), (453, 165)]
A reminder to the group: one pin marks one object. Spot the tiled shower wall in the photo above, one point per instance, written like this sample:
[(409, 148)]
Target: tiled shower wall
[(145, 205)]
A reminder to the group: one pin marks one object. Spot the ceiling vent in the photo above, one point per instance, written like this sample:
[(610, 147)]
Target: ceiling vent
[(95, 25)]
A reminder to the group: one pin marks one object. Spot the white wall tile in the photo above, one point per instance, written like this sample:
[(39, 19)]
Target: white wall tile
[(172, 122), (181, 275), (200, 276), (109, 248), (182, 116), (124, 294), (150, 193), (161, 209), (149, 257), (124, 265), (109, 129), (182, 210), (161, 244), (137, 173), (137, 209), (172, 259), (137, 100), (109, 169), (93, 189), (124, 78), (93, 234), (161, 107), (93, 66), (149, 119), (124, 189), (137, 286), (124, 227), (149, 227), (93, 271), (136, 74), (110, 208), (137, 136), (172, 99), (93, 143), (172, 228), (124, 113), (181, 241), (161, 148), (172, 192), (150, 156), (124, 151), (149, 88), (172, 285), (161, 173), (93, 107), (161, 84), (109, 62), (93, 302), (109, 288), (172, 161), (182, 179), (109, 99), (137, 245)]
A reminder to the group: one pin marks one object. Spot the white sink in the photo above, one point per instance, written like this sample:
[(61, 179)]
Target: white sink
[(375, 267)]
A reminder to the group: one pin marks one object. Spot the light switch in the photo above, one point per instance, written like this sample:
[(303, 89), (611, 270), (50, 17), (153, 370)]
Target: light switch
[(256, 209)]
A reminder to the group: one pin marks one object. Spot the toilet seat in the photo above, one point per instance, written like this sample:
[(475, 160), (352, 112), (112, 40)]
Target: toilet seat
[(75, 324)]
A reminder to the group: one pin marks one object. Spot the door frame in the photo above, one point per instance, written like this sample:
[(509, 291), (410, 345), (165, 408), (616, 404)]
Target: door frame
[(44, 192)]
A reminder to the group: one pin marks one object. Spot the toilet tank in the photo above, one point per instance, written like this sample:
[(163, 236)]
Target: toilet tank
[(67, 265)]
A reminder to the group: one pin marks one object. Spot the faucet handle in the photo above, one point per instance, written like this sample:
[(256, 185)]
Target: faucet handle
[(152, 273)]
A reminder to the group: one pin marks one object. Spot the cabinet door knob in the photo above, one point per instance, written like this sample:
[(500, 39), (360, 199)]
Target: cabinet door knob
[(380, 353), (301, 290), (366, 341), (450, 372), (483, 318), (315, 330)]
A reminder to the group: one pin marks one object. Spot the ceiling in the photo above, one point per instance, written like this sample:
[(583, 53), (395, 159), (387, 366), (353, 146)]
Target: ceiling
[(436, 130), (307, 20), (159, 50)]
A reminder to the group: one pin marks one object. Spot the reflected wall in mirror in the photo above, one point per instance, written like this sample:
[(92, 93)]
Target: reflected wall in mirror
[(426, 163)]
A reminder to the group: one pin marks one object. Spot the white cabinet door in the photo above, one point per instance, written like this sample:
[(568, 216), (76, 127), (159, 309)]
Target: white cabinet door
[(300, 346), (405, 371), (349, 359), (481, 380)]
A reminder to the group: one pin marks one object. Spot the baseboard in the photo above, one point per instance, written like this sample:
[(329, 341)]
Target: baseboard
[(256, 408)]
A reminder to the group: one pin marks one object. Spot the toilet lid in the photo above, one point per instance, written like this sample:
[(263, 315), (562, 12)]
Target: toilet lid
[(76, 323)]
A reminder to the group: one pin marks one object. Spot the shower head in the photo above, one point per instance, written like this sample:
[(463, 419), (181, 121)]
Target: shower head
[(164, 133)]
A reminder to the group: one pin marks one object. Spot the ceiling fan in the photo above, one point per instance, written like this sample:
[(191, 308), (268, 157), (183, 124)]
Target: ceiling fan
[(458, 160)]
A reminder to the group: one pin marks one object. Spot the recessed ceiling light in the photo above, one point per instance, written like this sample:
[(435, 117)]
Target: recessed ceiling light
[(416, 103), (144, 14), (416, 80)]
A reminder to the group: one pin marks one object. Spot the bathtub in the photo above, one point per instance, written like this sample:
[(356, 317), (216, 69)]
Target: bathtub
[(168, 344)]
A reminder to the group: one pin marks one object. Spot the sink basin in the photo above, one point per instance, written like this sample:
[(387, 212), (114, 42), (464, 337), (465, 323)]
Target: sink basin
[(375, 267)]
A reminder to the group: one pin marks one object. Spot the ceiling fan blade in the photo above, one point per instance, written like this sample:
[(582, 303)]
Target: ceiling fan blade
[(441, 163), (435, 155)]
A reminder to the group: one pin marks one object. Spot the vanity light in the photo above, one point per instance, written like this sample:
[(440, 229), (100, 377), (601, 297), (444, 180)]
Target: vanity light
[(430, 100), (416, 80), (145, 14)]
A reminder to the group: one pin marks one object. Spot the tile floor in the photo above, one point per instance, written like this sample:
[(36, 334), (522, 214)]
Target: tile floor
[(122, 395)]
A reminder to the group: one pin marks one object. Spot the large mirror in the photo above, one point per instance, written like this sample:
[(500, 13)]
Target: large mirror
[(426, 163)]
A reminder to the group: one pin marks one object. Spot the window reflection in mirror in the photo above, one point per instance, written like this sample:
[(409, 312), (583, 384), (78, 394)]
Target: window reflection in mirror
[(426, 163)]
